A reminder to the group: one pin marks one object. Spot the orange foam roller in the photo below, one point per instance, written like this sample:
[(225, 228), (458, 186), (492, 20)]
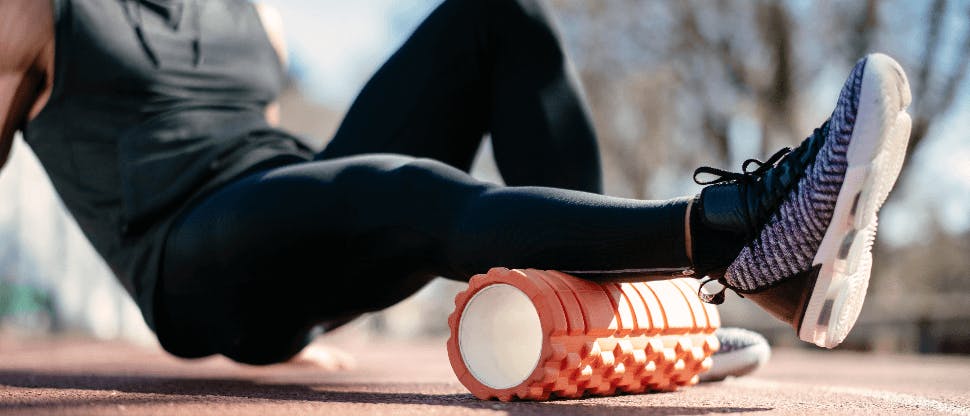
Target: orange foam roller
[(532, 334)]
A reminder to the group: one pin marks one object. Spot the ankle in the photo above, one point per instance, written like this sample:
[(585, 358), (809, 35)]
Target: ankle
[(712, 246)]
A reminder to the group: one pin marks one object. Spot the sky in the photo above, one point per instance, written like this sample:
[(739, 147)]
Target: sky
[(336, 45)]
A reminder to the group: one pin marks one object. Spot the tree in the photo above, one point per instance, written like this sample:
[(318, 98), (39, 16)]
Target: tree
[(676, 85), (667, 79)]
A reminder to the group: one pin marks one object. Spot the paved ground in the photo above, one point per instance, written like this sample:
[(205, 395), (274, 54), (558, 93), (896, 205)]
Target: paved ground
[(394, 378)]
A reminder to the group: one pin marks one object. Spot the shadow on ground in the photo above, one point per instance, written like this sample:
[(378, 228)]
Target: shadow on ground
[(158, 390)]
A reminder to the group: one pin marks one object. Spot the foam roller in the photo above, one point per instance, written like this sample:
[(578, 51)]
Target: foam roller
[(532, 334)]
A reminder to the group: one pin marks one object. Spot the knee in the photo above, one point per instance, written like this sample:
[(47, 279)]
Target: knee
[(506, 8), (269, 339), (533, 11), (499, 12), (389, 175), (436, 184), (262, 354), (422, 171), (182, 345)]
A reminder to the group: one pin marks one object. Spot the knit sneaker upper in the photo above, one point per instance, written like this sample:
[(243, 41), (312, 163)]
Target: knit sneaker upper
[(733, 339), (789, 240)]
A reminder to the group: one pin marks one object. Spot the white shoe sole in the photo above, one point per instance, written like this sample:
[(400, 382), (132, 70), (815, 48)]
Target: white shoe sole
[(875, 155)]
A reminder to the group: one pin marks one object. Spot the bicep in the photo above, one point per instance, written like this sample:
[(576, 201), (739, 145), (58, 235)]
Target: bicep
[(27, 30), (9, 119)]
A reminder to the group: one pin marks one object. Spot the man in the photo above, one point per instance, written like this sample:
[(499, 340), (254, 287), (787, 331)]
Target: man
[(155, 121)]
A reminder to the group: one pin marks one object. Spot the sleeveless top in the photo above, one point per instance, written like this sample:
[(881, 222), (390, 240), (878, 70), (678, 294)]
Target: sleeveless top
[(154, 104)]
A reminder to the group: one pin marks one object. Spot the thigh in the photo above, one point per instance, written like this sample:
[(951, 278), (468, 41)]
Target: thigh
[(259, 262)]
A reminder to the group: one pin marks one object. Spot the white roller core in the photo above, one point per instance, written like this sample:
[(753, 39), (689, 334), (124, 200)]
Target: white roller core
[(500, 336)]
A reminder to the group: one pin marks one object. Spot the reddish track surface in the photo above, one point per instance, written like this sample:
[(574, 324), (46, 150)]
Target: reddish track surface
[(393, 378)]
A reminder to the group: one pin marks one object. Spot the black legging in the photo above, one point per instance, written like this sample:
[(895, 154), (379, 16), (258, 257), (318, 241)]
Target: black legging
[(249, 270)]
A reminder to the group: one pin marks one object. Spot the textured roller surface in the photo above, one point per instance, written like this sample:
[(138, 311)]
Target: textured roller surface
[(599, 339)]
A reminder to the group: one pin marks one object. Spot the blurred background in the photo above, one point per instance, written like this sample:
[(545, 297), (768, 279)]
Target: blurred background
[(671, 85)]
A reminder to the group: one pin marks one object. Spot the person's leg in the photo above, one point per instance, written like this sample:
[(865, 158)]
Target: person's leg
[(476, 67), (249, 269), (472, 67)]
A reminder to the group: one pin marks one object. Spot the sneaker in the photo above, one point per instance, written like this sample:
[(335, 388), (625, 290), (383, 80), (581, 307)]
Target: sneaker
[(741, 353), (806, 218)]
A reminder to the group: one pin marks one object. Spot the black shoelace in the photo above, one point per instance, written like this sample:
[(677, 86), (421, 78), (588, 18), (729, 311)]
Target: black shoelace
[(722, 176), (745, 175), (812, 144)]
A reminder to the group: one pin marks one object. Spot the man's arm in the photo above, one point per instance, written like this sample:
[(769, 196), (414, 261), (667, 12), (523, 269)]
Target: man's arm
[(26, 52), (273, 25)]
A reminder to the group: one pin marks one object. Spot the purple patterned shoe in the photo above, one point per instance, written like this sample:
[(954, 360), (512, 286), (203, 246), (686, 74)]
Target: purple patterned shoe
[(808, 215)]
